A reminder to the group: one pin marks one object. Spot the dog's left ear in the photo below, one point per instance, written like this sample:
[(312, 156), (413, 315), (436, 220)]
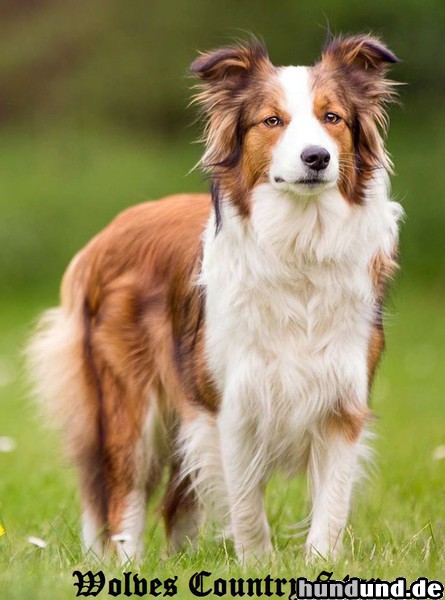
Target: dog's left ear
[(361, 52), (363, 61), (360, 64)]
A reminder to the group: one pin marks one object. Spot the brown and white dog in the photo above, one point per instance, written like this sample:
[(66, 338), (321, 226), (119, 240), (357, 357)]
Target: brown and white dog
[(231, 336)]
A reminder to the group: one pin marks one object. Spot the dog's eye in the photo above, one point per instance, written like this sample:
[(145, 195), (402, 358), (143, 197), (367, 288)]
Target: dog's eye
[(273, 121), (332, 118)]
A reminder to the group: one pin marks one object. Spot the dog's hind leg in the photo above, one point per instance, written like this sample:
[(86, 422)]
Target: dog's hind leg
[(93, 503), (116, 481), (112, 432), (181, 510), (131, 467)]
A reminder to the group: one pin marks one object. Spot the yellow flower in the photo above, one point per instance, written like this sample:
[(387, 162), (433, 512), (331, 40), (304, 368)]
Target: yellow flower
[(2, 530)]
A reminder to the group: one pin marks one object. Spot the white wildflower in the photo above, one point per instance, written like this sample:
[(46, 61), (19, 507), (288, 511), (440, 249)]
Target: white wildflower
[(439, 453), (37, 542), (7, 444)]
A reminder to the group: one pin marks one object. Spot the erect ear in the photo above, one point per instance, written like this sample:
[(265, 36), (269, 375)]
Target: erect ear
[(359, 64), (360, 51), (230, 65), (363, 61)]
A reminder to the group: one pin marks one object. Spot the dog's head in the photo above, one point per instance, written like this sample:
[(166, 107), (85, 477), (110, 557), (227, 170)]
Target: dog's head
[(301, 129)]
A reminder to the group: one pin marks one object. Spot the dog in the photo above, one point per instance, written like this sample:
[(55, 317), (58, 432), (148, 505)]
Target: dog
[(228, 336)]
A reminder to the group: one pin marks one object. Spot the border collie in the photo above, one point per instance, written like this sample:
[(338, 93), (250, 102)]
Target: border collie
[(229, 336)]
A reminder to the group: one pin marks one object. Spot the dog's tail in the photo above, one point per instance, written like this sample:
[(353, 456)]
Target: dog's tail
[(64, 381)]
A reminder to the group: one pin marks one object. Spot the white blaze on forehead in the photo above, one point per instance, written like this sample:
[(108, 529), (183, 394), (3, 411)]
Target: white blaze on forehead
[(296, 85), (304, 129)]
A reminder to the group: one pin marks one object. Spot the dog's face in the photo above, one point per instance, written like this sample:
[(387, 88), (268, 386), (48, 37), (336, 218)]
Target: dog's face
[(302, 153), (302, 129)]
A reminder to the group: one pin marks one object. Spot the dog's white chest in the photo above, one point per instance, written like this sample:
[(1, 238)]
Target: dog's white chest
[(295, 346), (289, 309)]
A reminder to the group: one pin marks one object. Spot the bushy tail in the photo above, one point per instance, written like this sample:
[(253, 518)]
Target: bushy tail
[(58, 371), (65, 386)]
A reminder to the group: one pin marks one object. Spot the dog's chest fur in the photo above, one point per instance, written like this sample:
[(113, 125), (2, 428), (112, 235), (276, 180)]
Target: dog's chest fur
[(290, 303)]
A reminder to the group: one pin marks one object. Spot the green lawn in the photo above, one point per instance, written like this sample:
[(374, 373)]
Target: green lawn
[(398, 522), (57, 191)]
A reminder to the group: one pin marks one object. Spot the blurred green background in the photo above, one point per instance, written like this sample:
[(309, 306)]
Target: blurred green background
[(94, 118), (93, 112)]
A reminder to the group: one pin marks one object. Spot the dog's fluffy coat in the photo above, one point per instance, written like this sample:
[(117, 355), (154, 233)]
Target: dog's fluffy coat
[(231, 336)]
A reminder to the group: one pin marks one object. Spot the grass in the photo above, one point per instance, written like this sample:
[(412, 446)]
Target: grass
[(58, 190), (398, 523)]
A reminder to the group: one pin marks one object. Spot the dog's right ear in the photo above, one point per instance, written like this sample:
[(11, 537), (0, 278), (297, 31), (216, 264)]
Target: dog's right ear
[(229, 65), (224, 76)]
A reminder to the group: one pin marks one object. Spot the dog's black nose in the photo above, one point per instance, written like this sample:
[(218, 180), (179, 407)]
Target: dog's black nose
[(316, 157)]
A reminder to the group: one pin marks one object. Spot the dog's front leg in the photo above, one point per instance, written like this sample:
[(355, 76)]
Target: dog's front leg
[(244, 471), (333, 469)]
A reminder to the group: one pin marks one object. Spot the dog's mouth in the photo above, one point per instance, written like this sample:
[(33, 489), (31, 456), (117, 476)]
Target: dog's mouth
[(311, 181), (303, 186)]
